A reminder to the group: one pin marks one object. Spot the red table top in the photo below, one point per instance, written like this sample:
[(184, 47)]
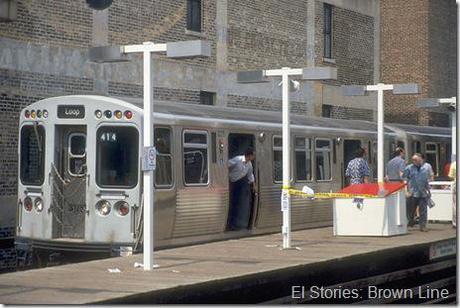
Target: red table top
[(373, 188)]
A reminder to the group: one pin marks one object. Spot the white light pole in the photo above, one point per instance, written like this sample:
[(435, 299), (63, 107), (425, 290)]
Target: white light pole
[(451, 105), (314, 73), (117, 54), (410, 88)]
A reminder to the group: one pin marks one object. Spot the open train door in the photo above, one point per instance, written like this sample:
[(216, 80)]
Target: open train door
[(238, 143), (349, 152)]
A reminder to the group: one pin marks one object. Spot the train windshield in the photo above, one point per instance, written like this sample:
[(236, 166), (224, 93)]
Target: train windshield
[(32, 155), (117, 156)]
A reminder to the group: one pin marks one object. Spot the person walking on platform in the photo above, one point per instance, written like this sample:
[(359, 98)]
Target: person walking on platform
[(417, 179), (453, 177), (396, 166), (358, 169), (241, 175)]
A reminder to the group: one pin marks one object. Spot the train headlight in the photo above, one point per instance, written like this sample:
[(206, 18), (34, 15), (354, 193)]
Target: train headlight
[(45, 113), (103, 207), (98, 114), (27, 114), (128, 114), (39, 113), (28, 204), (118, 114), (33, 114), (38, 204), (122, 208), (108, 114)]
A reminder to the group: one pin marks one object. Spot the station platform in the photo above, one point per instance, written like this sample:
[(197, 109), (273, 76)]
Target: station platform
[(244, 270)]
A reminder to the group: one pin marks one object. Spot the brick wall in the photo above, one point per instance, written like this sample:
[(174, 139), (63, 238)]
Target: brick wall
[(418, 45), (62, 23), (159, 93), (132, 22), (266, 34), (352, 47), (340, 112), (240, 101)]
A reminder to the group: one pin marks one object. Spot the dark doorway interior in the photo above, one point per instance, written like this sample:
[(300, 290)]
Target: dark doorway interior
[(242, 201)]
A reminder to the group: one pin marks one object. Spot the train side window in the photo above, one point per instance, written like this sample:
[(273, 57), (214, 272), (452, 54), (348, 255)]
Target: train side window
[(323, 159), (195, 144), (77, 154), (431, 155), (32, 155), (303, 161), (164, 169), (416, 147), (277, 159)]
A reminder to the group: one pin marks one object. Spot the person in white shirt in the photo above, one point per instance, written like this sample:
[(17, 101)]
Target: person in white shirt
[(241, 176)]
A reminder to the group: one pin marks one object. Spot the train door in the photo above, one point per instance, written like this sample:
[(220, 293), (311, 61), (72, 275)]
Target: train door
[(242, 206), (349, 151), (69, 182)]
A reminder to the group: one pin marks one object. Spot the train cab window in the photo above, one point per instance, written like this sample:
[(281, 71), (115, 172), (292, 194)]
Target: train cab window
[(77, 154), (117, 156), (303, 159), (431, 155), (323, 159), (32, 161), (277, 159), (163, 172), (416, 147), (196, 159)]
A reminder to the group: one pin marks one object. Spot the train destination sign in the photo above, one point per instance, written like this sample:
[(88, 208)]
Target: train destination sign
[(71, 112)]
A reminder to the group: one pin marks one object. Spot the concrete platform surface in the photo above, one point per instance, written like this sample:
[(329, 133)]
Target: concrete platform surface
[(91, 282)]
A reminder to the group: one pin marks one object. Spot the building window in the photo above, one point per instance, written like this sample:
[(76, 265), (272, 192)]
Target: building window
[(323, 159), (277, 159), (194, 15), (327, 31), (196, 160), (163, 172), (303, 159), (207, 98)]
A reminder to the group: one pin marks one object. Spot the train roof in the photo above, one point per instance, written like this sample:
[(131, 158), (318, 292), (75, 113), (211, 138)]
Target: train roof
[(171, 109)]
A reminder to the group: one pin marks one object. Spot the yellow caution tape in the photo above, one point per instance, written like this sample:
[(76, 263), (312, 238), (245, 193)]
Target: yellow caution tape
[(296, 192)]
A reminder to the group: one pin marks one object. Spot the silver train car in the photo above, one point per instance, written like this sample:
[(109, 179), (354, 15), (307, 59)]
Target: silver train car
[(79, 186)]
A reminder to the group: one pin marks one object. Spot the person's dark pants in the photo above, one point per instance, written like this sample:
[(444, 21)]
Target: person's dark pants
[(240, 204), (411, 205)]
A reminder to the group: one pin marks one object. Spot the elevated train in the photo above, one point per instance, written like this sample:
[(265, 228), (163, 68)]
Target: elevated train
[(79, 186)]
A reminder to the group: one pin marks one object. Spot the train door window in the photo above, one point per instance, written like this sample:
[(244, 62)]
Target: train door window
[(32, 160), (117, 153), (77, 154), (323, 159), (196, 159), (416, 147), (303, 159), (277, 159), (431, 155), (164, 170)]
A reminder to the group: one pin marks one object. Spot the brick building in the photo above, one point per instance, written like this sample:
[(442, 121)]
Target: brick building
[(419, 44)]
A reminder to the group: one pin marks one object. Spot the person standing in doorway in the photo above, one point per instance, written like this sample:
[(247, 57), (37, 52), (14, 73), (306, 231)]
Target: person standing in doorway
[(358, 169), (396, 166), (417, 179), (241, 175)]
